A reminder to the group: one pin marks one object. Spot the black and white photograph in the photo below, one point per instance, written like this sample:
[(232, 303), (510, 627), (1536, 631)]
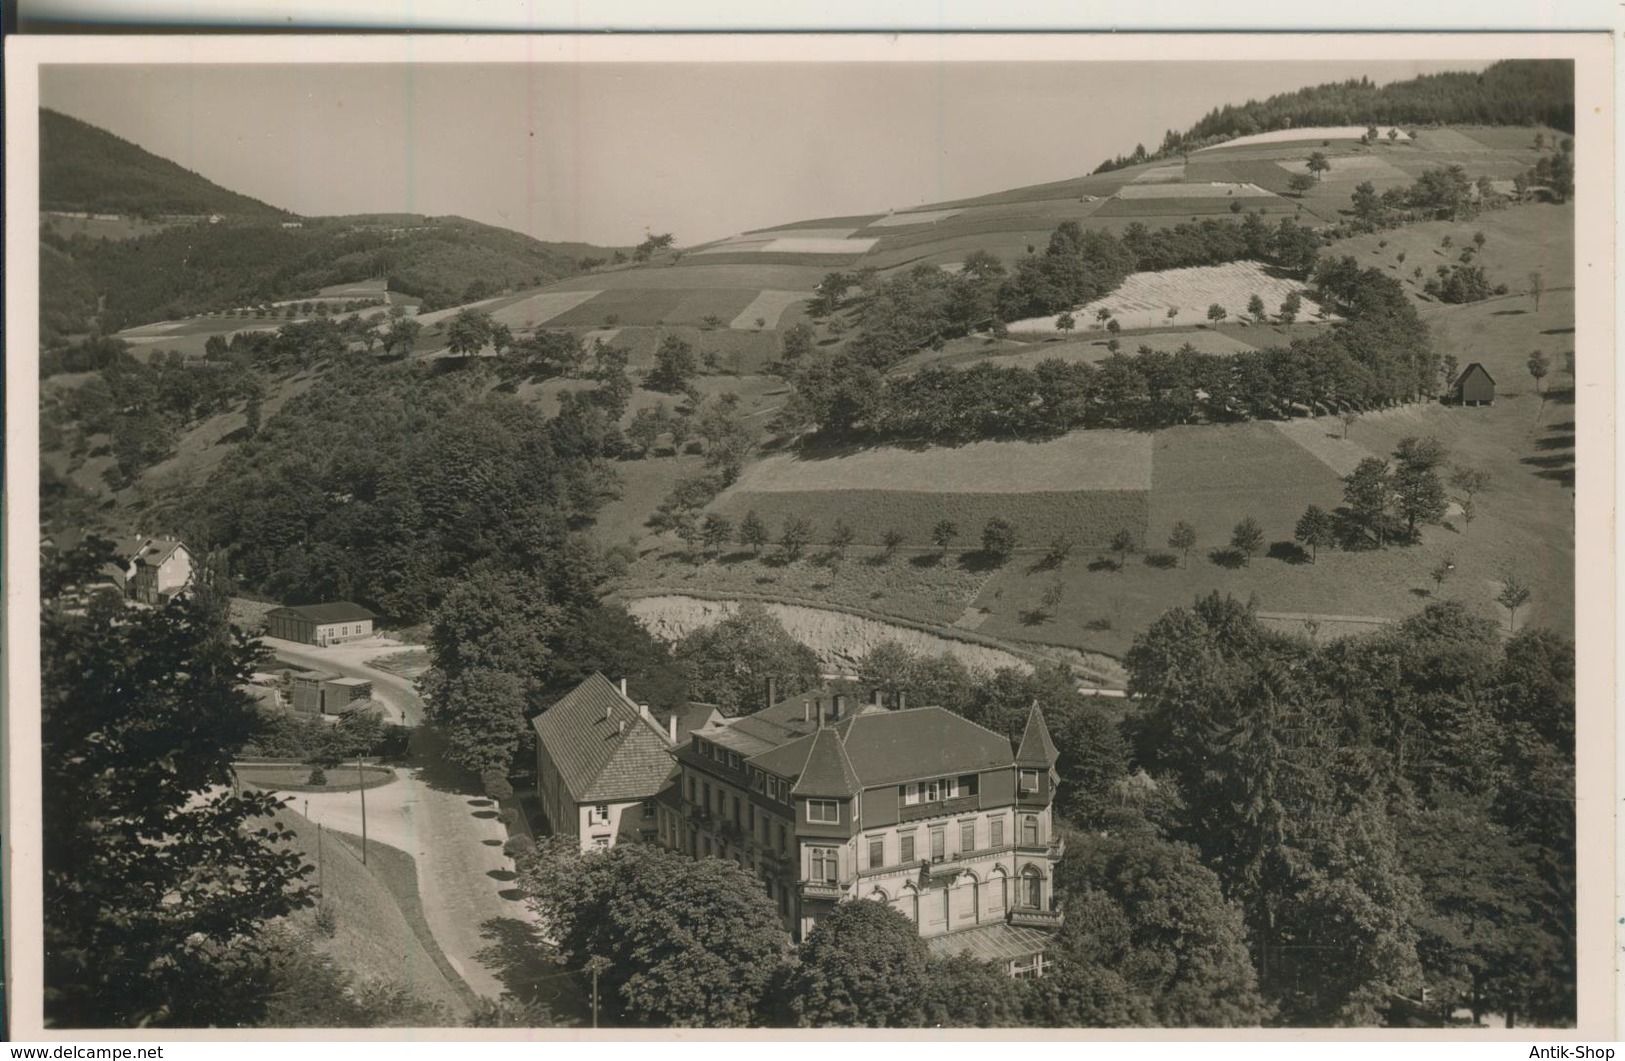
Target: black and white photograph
[(1083, 534)]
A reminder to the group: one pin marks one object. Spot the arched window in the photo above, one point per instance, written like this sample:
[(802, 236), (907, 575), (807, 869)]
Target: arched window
[(1032, 888)]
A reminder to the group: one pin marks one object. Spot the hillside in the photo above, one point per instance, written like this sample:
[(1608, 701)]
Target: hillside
[(86, 169)]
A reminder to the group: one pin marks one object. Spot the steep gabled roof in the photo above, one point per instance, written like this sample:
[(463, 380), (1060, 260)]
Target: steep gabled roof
[(606, 750), (827, 771), (1036, 747), (1469, 369), (157, 550)]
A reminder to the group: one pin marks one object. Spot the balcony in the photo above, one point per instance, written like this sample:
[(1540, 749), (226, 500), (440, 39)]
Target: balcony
[(1053, 849), (823, 890), (1034, 917), (938, 808)]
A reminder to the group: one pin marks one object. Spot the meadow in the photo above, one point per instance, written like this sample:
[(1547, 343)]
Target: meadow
[(1091, 350), (1144, 299)]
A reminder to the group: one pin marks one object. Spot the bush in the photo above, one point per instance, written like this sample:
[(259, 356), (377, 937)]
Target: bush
[(507, 816), (518, 846), (327, 922), (496, 785), (318, 776)]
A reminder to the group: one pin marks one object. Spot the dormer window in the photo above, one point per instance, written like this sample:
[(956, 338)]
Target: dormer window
[(1029, 782)]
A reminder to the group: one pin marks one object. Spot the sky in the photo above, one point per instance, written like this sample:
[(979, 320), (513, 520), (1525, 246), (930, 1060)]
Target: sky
[(607, 153)]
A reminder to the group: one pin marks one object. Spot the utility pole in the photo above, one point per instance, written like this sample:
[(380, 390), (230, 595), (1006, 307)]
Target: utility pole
[(319, 859), (361, 777), (595, 966)]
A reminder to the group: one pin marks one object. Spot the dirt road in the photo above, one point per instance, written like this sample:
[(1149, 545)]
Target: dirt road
[(397, 694)]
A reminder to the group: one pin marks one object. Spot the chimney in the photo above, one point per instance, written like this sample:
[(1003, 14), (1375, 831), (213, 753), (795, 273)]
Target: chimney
[(620, 727), (671, 726), (772, 692), (902, 700), (643, 711), (840, 706), (623, 686)]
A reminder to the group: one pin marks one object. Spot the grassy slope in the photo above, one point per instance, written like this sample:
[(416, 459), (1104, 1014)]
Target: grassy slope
[(381, 935)]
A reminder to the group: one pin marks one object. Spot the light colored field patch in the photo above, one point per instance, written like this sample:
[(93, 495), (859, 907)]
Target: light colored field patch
[(734, 245), (833, 232), (768, 306), (1144, 299), (540, 308), (1317, 132), (1157, 174), (429, 320), (918, 217), (1083, 460), (599, 335), (798, 245), (1213, 190), (358, 289), (1349, 168), (1323, 440)]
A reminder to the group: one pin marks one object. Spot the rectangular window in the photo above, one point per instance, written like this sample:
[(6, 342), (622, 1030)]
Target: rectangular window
[(737, 816), (967, 836), (707, 847), (648, 808), (751, 814), (939, 844), (823, 863), (824, 811), (995, 828), (706, 788), (784, 845), (911, 794), (691, 788), (1029, 782), (601, 843), (1029, 830), (908, 848), (877, 853), (967, 785)]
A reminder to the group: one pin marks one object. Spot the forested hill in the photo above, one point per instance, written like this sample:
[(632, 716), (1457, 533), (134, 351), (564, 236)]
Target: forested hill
[(1510, 92), (83, 168)]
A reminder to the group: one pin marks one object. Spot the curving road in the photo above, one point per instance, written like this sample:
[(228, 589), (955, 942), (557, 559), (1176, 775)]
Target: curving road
[(396, 693)]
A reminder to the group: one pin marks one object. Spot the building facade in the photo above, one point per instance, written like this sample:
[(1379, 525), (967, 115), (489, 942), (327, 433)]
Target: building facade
[(827, 799), (601, 762), (320, 624)]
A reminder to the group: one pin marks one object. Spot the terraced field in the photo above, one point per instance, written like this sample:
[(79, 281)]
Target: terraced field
[(1307, 134)]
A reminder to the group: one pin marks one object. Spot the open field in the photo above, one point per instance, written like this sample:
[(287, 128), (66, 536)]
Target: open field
[(1009, 354), (1089, 483), (769, 306), (1307, 134), (1144, 299), (918, 217), (693, 273), (356, 289), (855, 221), (1163, 212), (1192, 190), (1520, 240), (1082, 460), (663, 306), (1350, 168)]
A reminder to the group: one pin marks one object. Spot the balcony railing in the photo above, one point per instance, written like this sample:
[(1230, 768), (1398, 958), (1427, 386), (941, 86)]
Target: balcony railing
[(938, 808), (817, 889), (1053, 848)]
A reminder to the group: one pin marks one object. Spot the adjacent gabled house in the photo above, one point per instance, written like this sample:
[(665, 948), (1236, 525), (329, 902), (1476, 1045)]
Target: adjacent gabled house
[(601, 761), (826, 800)]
